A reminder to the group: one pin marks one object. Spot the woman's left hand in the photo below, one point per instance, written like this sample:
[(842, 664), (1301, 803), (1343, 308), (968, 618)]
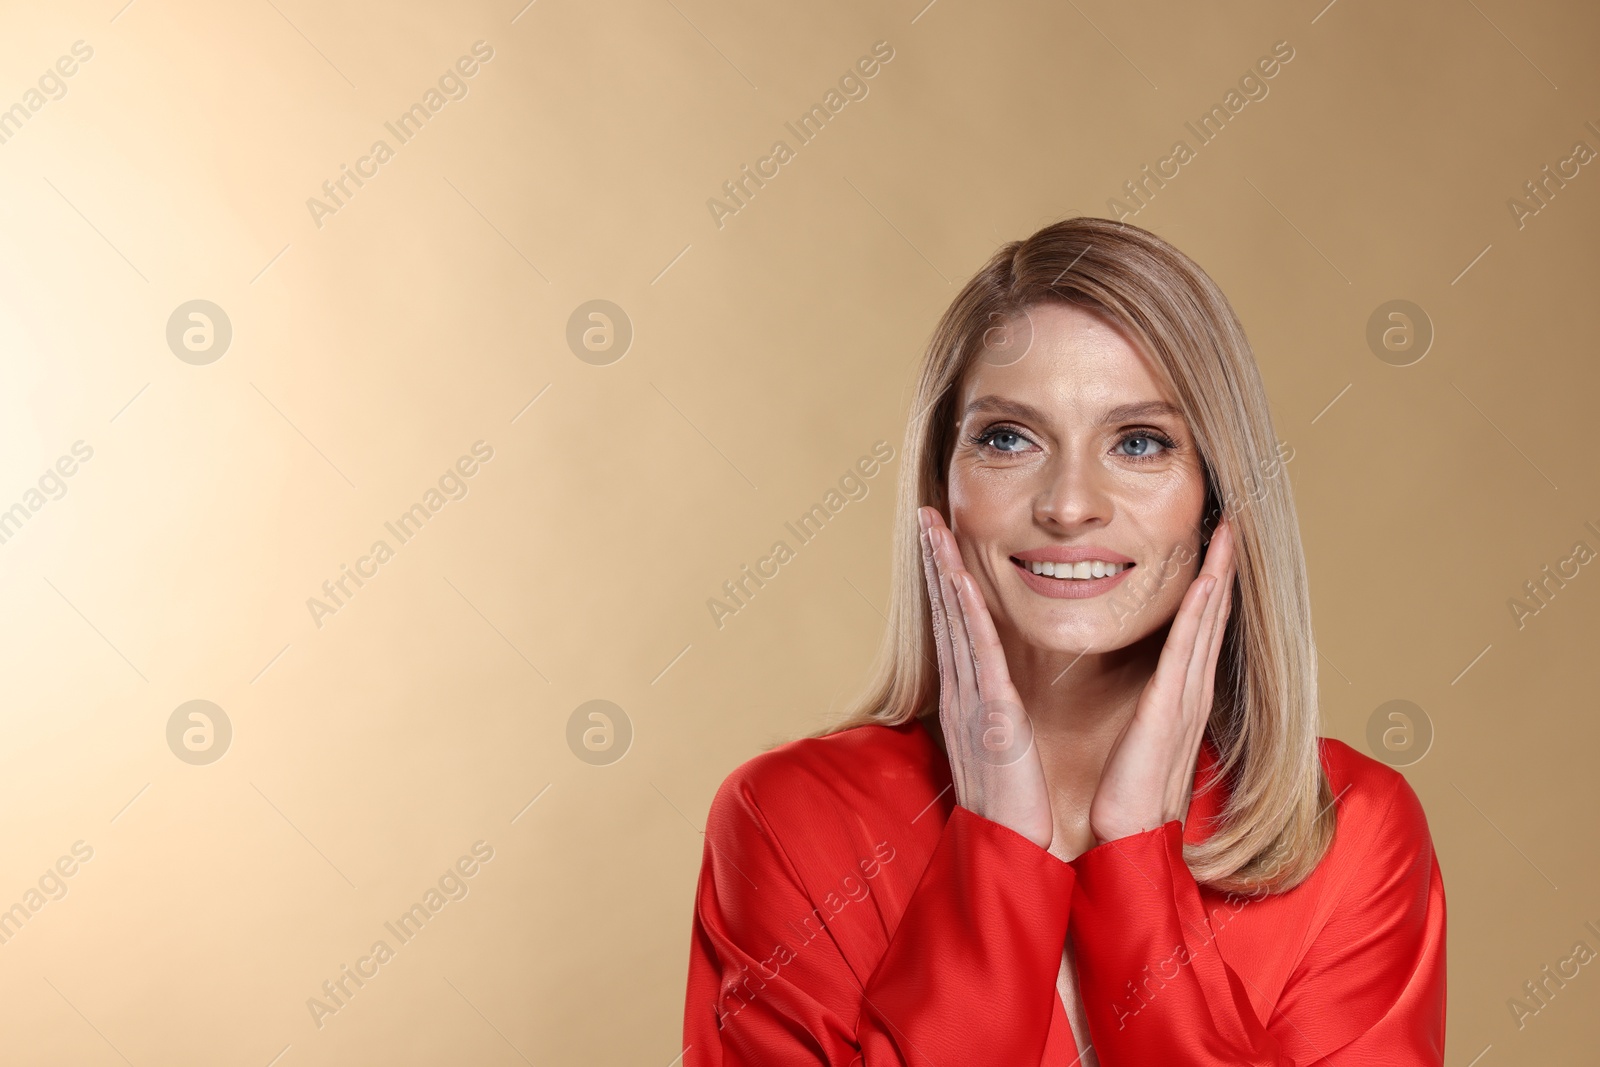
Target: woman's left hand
[(1149, 775)]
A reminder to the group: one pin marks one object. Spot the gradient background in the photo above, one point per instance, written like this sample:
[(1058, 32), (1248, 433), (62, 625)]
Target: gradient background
[(431, 312)]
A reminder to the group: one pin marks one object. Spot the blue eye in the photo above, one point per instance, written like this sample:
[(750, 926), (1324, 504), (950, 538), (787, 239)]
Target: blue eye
[(1007, 441), (1147, 438), (995, 434), (1000, 439)]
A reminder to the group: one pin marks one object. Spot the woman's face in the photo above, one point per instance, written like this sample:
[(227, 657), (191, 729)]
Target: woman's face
[(1069, 450)]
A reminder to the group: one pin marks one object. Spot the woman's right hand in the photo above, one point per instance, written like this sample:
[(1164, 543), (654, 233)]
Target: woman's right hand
[(988, 735)]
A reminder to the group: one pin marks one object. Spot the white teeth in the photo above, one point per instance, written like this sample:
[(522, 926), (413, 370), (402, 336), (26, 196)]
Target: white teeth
[(1096, 568)]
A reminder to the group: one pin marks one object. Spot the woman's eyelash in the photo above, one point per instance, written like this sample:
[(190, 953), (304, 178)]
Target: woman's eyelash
[(985, 438), (1166, 443)]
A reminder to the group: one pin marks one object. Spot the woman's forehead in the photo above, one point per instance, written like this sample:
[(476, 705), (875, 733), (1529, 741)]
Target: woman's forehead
[(1050, 356)]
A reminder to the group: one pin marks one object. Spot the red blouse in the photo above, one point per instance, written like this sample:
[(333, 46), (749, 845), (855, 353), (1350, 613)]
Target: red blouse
[(849, 912)]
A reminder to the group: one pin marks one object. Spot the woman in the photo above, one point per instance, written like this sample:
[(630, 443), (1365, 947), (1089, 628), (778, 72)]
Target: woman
[(1122, 842)]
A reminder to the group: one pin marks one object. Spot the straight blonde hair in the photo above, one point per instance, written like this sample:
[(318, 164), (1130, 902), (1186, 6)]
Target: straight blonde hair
[(1278, 820)]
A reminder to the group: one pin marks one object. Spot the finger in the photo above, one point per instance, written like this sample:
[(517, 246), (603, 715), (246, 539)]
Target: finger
[(947, 562), (988, 655), (1208, 677), (1199, 680), (930, 575), (1218, 627), (941, 623), (948, 558), (1205, 639), (1173, 668), (966, 673), (1184, 682), (1214, 655), (1186, 625), (1007, 730), (1197, 701), (1219, 553)]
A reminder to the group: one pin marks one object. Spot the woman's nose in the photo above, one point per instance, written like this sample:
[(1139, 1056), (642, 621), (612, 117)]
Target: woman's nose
[(1073, 490)]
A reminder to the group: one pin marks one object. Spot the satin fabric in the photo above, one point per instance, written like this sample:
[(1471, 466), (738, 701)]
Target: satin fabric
[(848, 911)]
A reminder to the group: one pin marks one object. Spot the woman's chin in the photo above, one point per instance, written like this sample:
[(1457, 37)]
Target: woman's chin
[(1066, 639), (1058, 637)]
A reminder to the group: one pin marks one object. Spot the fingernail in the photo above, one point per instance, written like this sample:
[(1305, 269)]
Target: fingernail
[(922, 519)]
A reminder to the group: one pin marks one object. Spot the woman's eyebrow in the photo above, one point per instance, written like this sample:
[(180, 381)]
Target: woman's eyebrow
[(1141, 409), (1000, 405)]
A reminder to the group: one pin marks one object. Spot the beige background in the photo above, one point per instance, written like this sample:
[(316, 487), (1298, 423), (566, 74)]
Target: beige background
[(368, 354)]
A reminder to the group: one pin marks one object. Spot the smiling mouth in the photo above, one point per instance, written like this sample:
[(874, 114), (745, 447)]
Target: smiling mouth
[(1087, 570)]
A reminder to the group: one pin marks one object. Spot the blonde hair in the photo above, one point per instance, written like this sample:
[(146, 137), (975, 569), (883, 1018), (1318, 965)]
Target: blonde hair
[(1278, 820)]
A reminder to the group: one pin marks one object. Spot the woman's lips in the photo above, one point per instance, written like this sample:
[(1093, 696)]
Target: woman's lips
[(1069, 588)]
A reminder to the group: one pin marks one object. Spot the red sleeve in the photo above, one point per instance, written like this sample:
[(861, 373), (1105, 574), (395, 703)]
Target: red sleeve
[(971, 965), (1370, 989)]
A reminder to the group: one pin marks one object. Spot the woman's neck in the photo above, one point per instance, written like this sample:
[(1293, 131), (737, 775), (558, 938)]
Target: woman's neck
[(1076, 699), (1079, 706)]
